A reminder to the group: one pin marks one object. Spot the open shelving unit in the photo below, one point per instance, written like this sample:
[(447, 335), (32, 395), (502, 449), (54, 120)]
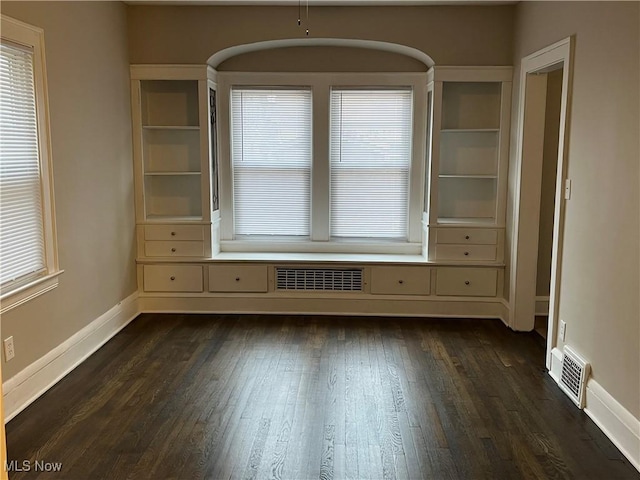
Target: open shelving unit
[(468, 139), (174, 159), (171, 149)]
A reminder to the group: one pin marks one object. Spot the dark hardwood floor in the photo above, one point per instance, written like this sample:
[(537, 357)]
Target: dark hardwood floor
[(306, 397)]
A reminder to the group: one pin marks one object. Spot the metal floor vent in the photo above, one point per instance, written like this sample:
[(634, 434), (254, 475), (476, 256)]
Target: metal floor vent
[(319, 279), (573, 378)]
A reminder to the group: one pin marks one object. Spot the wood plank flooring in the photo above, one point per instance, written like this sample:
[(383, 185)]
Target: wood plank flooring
[(311, 397)]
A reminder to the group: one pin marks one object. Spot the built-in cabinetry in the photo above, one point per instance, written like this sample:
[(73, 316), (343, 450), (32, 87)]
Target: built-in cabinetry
[(460, 273), (468, 138), (175, 165)]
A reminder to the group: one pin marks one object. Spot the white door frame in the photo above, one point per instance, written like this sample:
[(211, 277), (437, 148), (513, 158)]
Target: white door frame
[(522, 286)]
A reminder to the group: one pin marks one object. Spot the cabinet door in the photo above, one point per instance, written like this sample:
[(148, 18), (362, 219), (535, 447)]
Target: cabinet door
[(469, 253), (173, 232), (174, 249), (464, 236), (238, 278), (396, 280), (173, 278), (467, 282)]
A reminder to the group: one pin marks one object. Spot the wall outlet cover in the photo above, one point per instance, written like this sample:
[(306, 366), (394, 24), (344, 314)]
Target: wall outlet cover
[(9, 351)]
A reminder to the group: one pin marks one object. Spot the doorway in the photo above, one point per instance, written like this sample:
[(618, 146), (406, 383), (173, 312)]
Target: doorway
[(547, 196), (540, 180)]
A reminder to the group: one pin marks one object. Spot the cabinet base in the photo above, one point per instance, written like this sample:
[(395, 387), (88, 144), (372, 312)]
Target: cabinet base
[(363, 305)]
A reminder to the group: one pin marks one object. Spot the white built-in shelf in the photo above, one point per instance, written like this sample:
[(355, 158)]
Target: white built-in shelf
[(172, 219), (171, 127), (159, 174), (469, 130), (489, 177), (467, 221)]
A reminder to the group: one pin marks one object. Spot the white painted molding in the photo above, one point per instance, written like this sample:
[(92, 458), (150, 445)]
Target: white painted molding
[(26, 386), (542, 305), (345, 304), (29, 291), (522, 250), (617, 423), (225, 54), (506, 316), (556, 364)]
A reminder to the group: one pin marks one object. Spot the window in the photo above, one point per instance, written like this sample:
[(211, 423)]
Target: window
[(370, 160), (27, 243), (271, 156), (321, 162)]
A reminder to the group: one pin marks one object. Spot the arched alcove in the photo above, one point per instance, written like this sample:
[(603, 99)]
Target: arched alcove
[(417, 56)]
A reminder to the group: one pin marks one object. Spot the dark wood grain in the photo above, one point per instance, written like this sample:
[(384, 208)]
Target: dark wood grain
[(311, 397)]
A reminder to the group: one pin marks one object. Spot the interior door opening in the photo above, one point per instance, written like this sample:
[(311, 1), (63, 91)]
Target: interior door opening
[(540, 175), (547, 197)]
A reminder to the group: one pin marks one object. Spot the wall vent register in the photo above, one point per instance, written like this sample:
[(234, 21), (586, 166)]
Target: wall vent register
[(319, 279), (573, 378)]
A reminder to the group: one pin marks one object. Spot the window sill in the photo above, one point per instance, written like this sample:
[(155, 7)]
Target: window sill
[(27, 292), (318, 257)]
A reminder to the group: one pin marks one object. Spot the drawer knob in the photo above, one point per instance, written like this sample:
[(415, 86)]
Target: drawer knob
[(467, 282), (173, 234), (172, 278), (466, 254), (400, 282), (173, 250), (237, 279), (467, 237)]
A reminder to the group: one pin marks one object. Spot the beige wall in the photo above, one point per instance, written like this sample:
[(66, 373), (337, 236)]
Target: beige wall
[(87, 67), (450, 35), (600, 274), (549, 165)]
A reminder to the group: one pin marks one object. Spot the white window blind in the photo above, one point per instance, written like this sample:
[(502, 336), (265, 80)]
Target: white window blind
[(271, 157), (21, 223), (370, 159)]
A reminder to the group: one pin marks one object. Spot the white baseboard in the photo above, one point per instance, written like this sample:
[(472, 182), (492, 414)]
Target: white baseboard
[(542, 306), (556, 364), (25, 387), (506, 312), (313, 305), (617, 423)]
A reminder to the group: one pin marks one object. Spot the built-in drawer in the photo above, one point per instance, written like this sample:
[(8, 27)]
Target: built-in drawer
[(174, 232), (393, 280), (173, 278), (466, 252), (474, 236), (467, 282), (238, 278), (174, 249)]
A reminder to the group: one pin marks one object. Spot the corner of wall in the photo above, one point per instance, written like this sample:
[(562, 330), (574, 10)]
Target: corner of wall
[(29, 384)]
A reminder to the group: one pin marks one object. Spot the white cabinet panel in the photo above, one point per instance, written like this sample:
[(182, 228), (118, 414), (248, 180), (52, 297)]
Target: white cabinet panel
[(174, 249), (173, 278), (395, 280), (238, 278), (466, 252), (173, 232), (471, 236), (467, 282)]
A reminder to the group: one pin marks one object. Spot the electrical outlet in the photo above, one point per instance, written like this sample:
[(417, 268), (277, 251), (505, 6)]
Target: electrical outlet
[(9, 351), (563, 329)]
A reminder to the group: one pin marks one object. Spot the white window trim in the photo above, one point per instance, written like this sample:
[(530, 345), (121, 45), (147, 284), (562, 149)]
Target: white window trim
[(320, 84), (33, 37)]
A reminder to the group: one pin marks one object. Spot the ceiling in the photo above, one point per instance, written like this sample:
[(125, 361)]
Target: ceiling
[(321, 2)]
